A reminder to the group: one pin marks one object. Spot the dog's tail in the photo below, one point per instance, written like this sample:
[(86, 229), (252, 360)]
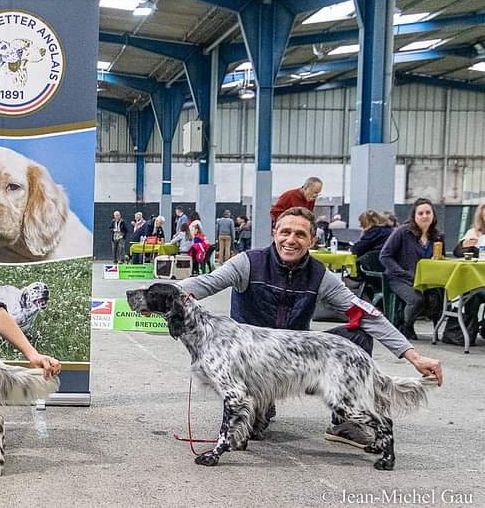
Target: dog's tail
[(19, 385), (400, 394)]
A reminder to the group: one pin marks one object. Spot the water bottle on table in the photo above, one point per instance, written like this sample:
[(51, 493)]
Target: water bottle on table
[(333, 245), (481, 248)]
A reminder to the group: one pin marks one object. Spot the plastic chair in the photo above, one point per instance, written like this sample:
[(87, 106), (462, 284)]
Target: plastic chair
[(375, 279)]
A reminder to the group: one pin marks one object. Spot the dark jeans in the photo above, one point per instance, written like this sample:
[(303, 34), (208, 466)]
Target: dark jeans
[(417, 304)]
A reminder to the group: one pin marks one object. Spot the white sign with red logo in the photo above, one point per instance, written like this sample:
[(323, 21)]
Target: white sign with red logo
[(111, 272), (102, 313)]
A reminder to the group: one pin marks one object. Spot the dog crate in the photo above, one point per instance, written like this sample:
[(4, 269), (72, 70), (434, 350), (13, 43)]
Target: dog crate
[(173, 267)]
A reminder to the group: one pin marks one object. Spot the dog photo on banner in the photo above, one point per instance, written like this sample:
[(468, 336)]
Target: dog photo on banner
[(47, 158)]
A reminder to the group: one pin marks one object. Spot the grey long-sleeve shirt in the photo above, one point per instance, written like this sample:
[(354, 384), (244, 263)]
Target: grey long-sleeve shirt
[(235, 273)]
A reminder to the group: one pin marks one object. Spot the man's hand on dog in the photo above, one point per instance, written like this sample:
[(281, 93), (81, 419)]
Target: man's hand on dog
[(51, 366)]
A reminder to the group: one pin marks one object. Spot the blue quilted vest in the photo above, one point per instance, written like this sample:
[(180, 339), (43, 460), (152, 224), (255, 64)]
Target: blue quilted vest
[(278, 296)]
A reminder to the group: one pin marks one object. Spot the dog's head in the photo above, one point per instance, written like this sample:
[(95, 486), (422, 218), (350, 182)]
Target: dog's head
[(35, 296), (33, 208), (158, 298)]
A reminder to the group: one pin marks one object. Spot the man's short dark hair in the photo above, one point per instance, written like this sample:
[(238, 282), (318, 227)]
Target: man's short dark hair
[(300, 211)]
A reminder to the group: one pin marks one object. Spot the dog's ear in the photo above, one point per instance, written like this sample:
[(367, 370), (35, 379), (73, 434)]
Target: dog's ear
[(46, 212), (160, 297)]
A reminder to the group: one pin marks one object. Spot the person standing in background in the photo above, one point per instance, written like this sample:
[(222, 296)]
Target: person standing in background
[(181, 218), (138, 222), (244, 233), (195, 222), (118, 234), (304, 196), (225, 234)]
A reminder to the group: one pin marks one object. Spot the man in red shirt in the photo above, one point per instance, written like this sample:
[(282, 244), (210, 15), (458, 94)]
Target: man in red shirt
[(303, 196)]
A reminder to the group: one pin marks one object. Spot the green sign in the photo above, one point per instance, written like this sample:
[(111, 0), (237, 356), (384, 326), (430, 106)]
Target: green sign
[(127, 320), (129, 272), (142, 271)]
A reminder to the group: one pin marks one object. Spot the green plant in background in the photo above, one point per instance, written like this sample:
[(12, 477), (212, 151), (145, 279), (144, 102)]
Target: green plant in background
[(63, 329)]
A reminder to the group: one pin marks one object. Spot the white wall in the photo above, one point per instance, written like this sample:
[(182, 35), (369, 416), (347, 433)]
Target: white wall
[(116, 181)]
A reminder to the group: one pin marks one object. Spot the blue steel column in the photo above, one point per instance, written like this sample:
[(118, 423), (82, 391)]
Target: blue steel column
[(374, 80), (373, 158), (167, 104), (198, 70), (266, 28), (140, 125)]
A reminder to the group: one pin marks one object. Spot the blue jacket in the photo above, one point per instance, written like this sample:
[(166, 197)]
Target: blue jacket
[(401, 253), (278, 296), (372, 239)]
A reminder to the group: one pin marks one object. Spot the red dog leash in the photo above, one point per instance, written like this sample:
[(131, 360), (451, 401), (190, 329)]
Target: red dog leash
[(190, 439)]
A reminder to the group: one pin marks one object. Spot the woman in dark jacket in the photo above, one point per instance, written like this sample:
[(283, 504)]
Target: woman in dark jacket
[(400, 254), (375, 232)]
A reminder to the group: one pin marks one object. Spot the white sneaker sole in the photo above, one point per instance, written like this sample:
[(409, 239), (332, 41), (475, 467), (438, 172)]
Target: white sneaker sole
[(340, 439)]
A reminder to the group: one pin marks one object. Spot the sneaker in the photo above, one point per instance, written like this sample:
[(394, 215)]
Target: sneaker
[(354, 434)]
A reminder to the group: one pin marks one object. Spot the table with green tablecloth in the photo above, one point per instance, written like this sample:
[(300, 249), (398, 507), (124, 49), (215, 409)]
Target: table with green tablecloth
[(157, 249), (337, 261), (460, 279)]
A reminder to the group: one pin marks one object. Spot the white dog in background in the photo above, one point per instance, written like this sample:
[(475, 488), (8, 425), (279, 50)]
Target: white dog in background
[(36, 223), (25, 304)]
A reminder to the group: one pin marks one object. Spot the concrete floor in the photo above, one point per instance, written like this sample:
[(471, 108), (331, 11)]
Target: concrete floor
[(121, 450)]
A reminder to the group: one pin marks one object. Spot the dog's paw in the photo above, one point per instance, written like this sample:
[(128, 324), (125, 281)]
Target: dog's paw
[(207, 459), (384, 464)]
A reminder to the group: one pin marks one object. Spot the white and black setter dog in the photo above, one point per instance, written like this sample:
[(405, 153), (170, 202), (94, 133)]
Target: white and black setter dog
[(251, 367), (25, 304), (21, 386)]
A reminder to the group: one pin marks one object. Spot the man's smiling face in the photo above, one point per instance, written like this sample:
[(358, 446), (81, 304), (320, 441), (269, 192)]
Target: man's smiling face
[(293, 238)]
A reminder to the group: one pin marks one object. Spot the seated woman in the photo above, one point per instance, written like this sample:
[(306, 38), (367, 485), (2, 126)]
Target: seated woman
[(375, 232), (475, 235), (183, 239), (324, 233), (155, 228), (469, 243), (400, 254)]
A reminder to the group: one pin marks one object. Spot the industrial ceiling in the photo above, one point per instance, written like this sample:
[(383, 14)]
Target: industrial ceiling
[(456, 26)]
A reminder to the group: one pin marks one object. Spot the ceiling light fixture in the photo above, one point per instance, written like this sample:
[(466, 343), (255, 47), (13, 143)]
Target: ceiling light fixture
[(246, 93), (144, 8)]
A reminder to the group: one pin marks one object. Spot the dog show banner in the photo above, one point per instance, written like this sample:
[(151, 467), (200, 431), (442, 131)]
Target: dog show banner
[(115, 314), (48, 54)]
